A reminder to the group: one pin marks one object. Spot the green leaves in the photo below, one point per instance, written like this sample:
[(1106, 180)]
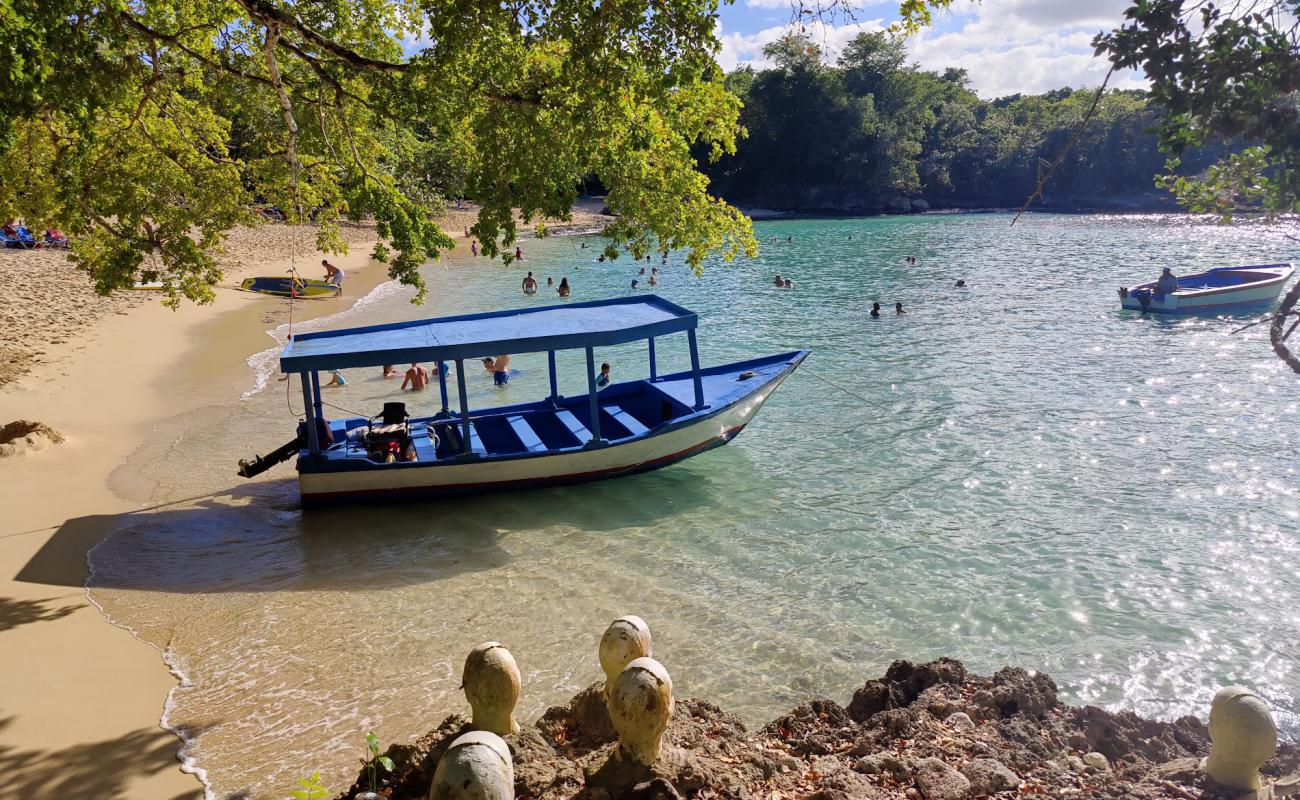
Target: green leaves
[(310, 788), (148, 130)]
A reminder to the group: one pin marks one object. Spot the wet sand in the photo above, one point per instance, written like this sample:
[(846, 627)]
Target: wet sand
[(82, 699)]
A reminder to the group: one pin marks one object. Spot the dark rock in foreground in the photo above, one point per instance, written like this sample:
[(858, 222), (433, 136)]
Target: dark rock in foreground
[(923, 732)]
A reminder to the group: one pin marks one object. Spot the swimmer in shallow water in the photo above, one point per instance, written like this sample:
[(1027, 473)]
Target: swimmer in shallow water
[(875, 309), (530, 284), (777, 282), (898, 308), (961, 284)]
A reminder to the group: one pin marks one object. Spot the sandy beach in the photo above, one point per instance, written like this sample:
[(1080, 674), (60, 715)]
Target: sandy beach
[(82, 699)]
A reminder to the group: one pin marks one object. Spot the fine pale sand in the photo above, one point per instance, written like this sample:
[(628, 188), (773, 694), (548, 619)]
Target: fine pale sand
[(80, 700)]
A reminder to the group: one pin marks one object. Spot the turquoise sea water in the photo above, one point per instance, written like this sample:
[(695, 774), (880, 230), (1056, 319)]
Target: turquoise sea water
[(1017, 474)]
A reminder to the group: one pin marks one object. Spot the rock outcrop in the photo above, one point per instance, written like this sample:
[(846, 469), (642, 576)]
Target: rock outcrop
[(23, 435), (922, 732)]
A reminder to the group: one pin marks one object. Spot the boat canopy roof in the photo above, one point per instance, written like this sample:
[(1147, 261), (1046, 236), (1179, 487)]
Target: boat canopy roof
[(598, 323)]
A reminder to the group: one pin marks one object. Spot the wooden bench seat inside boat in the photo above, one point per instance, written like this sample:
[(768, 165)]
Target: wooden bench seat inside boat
[(527, 436), (633, 425), (575, 426)]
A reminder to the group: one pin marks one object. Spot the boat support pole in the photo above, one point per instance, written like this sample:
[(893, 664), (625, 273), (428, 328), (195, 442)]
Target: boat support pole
[(555, 387), (442, 384), (591, 395), (313, 438), (695, 370), (464, 406), (654, 368)]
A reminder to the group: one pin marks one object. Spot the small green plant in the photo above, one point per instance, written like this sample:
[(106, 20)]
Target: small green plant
[(310, 788), (375, 761)]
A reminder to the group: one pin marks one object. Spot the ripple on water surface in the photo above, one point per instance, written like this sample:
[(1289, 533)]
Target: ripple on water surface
[(1017, 473)]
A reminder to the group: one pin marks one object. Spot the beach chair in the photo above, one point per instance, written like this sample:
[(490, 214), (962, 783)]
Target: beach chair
[(13, 241)]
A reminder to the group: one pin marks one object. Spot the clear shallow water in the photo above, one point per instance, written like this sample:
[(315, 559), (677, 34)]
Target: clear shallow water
[(1023, 475)]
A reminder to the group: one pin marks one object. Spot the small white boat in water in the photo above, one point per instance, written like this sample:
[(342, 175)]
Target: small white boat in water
[(1217, 291)]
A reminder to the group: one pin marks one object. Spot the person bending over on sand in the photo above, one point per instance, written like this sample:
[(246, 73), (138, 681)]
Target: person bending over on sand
[(1167, 283), (563, 289), (898, 308), (390, 371), (530, 284), (337, 379), (501, 370), (417, 376), (333, 275), (602, 380), (875, 310)]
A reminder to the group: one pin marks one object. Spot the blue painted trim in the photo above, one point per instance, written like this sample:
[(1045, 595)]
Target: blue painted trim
[(695, 370), (682, 319), (591, 395), (315, 391), (654, 365), (313, 438), (442, 385), (464, 407), (555, 385)]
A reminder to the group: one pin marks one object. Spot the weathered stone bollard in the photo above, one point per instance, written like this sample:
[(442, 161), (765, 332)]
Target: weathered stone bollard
[(491, 683), (625, 640), (477, 766), (1242, 737), (640, 702)]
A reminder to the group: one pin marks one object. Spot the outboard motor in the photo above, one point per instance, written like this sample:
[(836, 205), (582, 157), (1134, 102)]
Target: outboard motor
[(260, 464)]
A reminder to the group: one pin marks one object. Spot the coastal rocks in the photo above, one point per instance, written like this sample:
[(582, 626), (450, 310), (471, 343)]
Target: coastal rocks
[(988, 776), (902, 685), (938, 781), (21, 436), (1243, 736), (951, 741), (491, 682)]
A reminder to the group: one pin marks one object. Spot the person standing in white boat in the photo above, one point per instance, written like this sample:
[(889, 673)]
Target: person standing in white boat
[(1167, 282)]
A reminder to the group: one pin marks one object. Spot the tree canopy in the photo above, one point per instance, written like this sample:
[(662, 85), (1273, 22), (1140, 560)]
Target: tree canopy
[(146, 129), (874, 132)]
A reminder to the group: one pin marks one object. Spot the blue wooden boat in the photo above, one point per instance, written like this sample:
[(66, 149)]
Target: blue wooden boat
[(1222, 290), (622, 429)]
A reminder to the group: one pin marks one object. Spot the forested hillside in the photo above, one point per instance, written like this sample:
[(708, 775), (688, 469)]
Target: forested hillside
[(875, 133)]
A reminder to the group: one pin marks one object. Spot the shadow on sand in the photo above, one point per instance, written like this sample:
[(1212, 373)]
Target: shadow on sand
[(94, 769), (255, 538)]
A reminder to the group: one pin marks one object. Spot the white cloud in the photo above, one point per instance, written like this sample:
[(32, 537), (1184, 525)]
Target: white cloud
[(740, 49), (1006, 46)]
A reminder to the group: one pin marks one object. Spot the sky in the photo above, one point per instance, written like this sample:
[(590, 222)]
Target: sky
[(1006, 46)]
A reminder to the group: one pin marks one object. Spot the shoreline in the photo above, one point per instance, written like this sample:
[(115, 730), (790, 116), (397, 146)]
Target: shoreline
[(115, 409), (110, 404)]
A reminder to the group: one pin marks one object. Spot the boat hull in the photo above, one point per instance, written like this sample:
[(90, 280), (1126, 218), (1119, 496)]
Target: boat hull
[(694, 434), (1260, 288)]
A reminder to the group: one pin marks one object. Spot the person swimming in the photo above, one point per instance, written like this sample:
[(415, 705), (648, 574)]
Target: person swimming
[(417, 377), (777, 281), (530, 284), (519, 254), (961, 284), (875, 309), (898, 308), (500, 370), (563, 289), (789, 284), (635, 283)]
